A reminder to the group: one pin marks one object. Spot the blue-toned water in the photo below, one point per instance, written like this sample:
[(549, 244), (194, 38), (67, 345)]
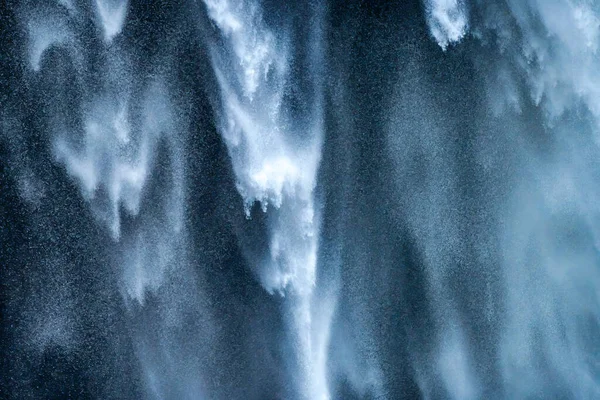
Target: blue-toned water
[(246, 199)]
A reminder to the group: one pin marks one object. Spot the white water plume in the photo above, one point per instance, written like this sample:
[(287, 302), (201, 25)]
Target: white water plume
[(553, 45), (108, 160), (547, 58), (110, 154), (447, 20), (250, 199), (271, 166), (112, 15), (157, 246)]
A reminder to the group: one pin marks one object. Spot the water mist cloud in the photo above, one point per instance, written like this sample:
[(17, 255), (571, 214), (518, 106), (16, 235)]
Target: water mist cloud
[(112, 15)]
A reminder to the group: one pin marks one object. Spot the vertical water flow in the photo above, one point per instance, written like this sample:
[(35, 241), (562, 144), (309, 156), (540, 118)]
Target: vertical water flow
[(105, 135), (540, 59), (424, 137), (552, 49), (275, 160)]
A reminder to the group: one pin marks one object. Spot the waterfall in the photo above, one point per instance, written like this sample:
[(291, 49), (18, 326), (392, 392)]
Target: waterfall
[(275, 160), (252, 199)]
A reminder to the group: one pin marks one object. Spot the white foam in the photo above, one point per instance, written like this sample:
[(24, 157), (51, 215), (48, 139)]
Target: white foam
[(271, 167), (253, 46), (268, 167), (447, 20), (557, 52)]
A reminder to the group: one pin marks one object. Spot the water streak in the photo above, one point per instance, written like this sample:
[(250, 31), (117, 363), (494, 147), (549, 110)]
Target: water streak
[(271, 165)]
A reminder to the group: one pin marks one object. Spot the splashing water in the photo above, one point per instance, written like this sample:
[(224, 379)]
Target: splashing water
[(242, 199)]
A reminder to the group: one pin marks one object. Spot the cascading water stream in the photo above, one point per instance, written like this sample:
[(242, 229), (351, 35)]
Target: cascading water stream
[(108, 142), (252, 199), (275, 164)]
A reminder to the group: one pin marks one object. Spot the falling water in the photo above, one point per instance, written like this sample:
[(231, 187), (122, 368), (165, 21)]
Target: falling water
[(246, 199)]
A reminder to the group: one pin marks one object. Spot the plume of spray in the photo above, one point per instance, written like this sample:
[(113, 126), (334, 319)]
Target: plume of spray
[(272, 166)]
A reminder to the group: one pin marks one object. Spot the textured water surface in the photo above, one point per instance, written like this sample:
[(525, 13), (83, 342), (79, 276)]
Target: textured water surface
[(312, 200)]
